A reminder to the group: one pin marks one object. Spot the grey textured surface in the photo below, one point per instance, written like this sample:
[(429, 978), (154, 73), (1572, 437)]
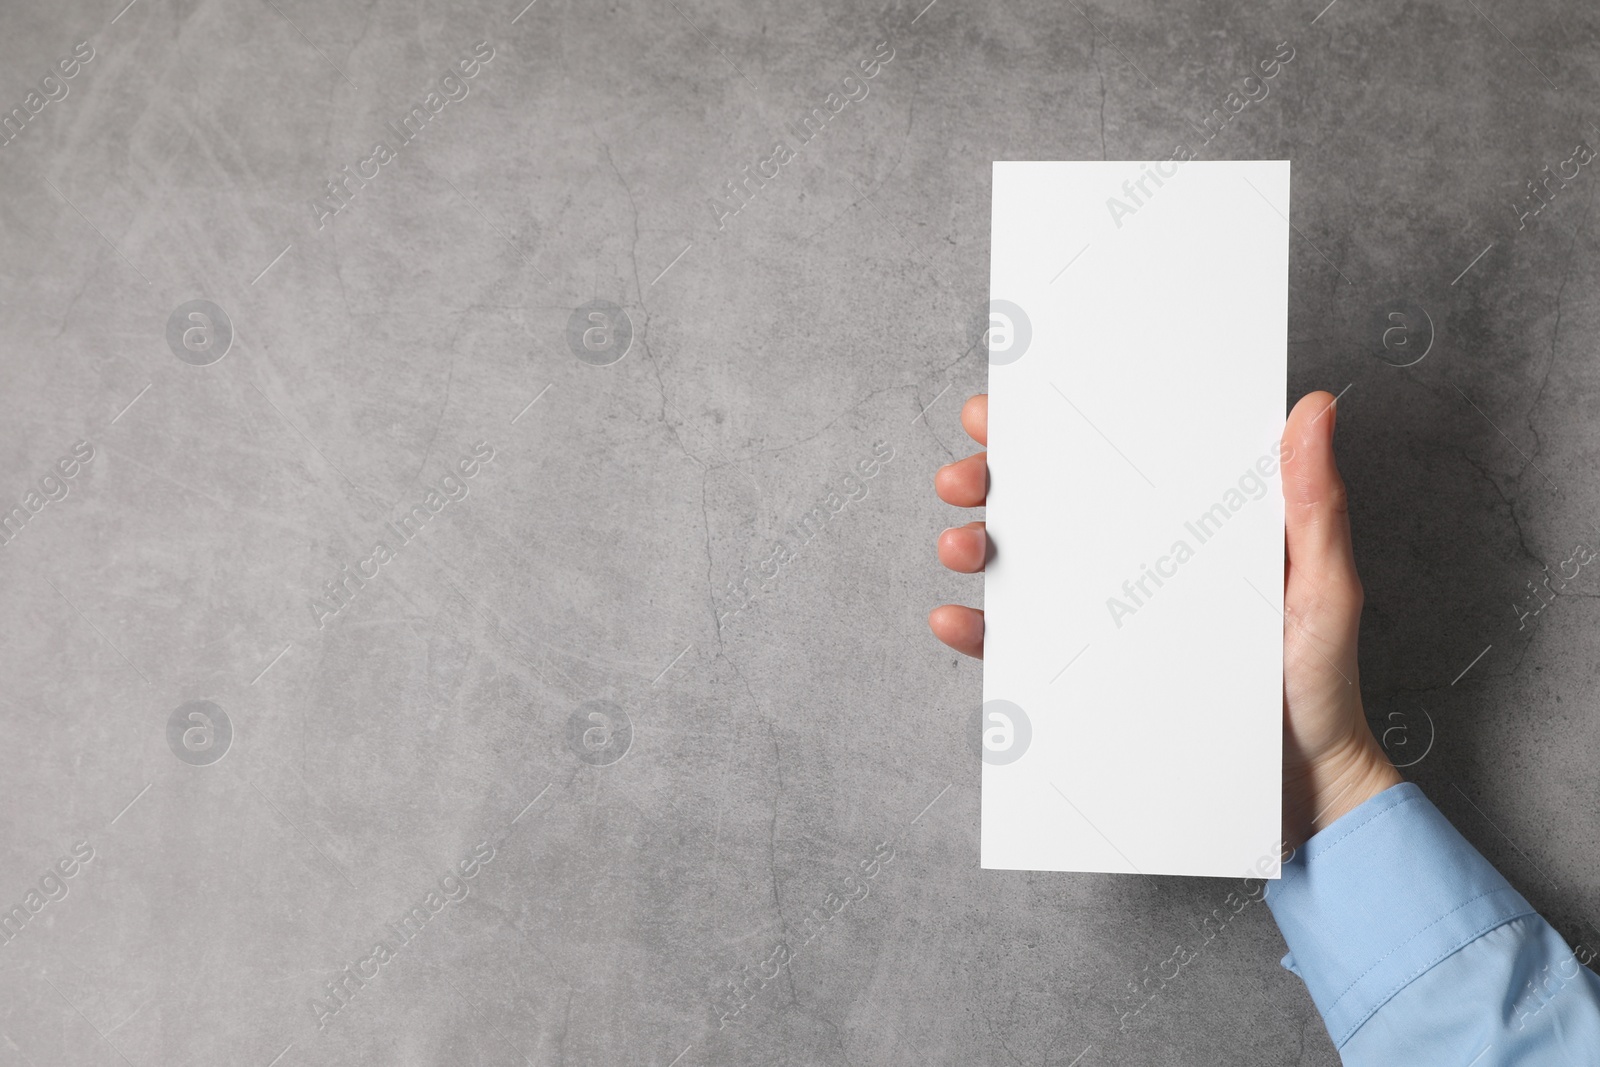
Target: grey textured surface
[(781, 743)]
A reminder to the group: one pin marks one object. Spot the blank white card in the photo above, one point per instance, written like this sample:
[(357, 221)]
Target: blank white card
[(1133, 653)]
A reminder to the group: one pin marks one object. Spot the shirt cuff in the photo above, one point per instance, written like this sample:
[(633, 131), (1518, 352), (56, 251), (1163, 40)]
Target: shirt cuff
[(1377, 898)]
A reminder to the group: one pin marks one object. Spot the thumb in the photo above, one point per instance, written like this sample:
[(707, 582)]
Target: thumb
[(1316, 514)]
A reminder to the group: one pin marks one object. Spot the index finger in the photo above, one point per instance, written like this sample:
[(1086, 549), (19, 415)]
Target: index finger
[(975, 418)]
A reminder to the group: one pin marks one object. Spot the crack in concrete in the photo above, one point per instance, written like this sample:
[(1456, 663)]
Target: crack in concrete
[(1555, 333), (1094, 57)]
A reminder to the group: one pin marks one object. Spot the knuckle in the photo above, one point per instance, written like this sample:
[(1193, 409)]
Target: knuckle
[(1339, 497)]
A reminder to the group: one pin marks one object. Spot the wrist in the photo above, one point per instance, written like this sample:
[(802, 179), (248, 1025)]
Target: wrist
[(1317, 794)]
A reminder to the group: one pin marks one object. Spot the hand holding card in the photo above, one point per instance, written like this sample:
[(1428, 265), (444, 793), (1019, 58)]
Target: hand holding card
[(1115, 806)]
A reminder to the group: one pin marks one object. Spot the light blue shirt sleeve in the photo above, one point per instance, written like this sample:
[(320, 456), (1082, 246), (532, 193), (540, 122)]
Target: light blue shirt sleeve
[(1417, 951)]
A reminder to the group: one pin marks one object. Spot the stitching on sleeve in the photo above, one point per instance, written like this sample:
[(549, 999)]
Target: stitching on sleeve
[(1419, 933), (1493, 924), (1329, 847)]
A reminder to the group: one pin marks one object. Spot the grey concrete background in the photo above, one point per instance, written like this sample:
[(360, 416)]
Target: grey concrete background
[(768, 757)]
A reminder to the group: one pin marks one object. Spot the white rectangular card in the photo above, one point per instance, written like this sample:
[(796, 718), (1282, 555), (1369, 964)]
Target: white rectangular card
[(1133, 649)]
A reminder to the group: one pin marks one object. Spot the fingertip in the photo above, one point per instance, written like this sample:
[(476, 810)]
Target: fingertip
[(1310, 424), (1316, 504), (946, 484), (1309, 471), (975, 418), (959, 627), (964, 483), (962, 548)]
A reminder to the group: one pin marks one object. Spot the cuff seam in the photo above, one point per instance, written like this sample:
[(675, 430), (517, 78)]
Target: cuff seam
[(1380, 960), (1465, 940), (1331, 845)]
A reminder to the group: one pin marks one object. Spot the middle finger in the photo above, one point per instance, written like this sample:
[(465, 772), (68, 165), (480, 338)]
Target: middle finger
[(964, 548), (964, 483)]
